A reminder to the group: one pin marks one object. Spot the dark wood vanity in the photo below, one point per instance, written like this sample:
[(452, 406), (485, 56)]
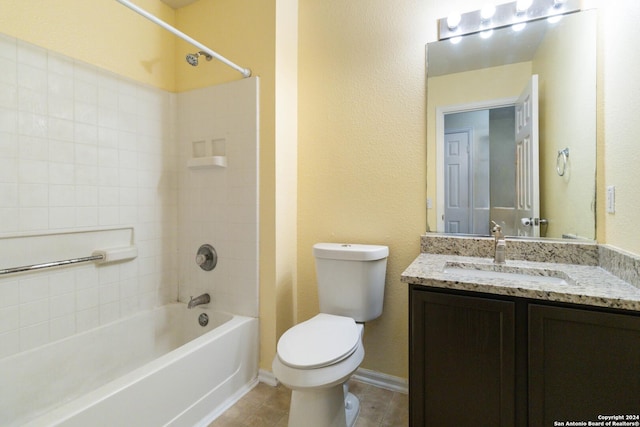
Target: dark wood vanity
[(490, 360)]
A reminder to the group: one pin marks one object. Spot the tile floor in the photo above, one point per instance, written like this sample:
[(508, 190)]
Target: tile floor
[(267, 406)]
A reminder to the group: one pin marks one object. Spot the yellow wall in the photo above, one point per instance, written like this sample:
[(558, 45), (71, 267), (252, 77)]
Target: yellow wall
[(241, 30), (361, 170), (100, 32)]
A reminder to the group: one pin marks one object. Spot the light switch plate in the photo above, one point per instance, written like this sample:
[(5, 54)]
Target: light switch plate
[(611, 199)]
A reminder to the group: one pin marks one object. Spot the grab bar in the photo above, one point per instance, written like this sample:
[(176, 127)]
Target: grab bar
[(103, 255), (51, 264)]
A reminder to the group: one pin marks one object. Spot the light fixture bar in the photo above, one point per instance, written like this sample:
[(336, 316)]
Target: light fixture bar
[(505, 15)]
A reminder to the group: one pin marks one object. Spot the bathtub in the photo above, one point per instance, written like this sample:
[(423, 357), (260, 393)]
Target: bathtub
[(157, 368)]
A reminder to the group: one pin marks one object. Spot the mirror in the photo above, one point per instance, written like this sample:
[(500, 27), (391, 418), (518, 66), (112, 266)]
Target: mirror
[(485, 77)]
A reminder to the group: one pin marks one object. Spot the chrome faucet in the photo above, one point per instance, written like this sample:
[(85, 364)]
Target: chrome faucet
[(500, 244), (202, 299)]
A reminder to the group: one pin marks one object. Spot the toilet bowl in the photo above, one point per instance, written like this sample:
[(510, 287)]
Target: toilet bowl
[(316, 357)]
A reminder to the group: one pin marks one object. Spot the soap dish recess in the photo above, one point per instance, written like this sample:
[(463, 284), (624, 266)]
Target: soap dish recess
[(207, 153), (207, 162)]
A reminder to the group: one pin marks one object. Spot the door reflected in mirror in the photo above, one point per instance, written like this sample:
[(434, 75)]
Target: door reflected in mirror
[(479, 148), (496, 181)]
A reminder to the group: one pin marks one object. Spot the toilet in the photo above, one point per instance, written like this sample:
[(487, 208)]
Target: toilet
[(315, 358)]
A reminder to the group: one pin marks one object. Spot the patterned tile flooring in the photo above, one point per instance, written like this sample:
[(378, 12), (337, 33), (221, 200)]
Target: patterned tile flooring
[(267, 406)]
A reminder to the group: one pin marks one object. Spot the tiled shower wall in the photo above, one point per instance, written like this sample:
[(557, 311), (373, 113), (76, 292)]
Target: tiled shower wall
[(85, 151), (219, 205), (82, 149)]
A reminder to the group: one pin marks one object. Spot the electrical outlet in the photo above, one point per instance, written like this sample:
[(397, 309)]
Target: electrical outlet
[(611, 199)]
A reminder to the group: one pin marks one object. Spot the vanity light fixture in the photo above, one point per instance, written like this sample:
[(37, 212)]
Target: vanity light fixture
[(504, 15)]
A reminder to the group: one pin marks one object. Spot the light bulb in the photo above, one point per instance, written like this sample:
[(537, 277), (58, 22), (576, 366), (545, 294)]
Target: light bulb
[(523, 5), (487, 12), (554, 19), (518, 27), (453, 21), (455, 40), (486, 34)]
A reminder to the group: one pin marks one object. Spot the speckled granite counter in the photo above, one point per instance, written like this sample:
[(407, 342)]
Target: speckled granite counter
[(581, 284)]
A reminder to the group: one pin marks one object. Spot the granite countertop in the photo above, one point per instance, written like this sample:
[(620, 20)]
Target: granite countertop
[(577, 284)]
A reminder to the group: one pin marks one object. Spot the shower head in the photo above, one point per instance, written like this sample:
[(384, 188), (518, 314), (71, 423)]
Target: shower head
[(192, 58)]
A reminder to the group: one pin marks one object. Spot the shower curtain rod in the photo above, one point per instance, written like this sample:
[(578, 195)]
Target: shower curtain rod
[(244, 71)]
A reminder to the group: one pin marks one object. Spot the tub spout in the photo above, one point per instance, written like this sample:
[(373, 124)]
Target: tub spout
[(202, 299)]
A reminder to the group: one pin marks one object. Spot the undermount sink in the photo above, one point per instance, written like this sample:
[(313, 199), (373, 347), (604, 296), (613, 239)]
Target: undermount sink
[(503, 272)]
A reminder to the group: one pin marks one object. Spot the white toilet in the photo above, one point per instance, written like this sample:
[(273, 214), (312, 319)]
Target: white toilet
[(315, 358)]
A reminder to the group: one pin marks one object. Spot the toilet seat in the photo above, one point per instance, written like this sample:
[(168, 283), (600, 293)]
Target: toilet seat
[(320, 341)]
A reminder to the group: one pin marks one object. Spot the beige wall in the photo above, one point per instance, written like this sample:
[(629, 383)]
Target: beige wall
[(362, 125)]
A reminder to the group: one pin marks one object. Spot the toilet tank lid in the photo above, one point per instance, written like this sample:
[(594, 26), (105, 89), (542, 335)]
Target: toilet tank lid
[(350, 251)]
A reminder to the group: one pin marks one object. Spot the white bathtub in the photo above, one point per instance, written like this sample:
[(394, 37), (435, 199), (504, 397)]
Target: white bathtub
[(154, 369)]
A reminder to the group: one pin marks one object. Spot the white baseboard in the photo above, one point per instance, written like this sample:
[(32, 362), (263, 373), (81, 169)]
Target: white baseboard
[(267, 377), (378, 379), (367, 376)]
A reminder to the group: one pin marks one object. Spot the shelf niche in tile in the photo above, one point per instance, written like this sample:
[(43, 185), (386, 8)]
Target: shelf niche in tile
[(208, 153)]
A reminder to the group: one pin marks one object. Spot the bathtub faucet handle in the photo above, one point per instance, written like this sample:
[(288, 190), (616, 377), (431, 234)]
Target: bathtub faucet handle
[(207, 257)]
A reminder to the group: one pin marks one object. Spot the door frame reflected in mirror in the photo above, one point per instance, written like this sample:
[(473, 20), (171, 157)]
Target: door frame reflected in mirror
[(441, 112)]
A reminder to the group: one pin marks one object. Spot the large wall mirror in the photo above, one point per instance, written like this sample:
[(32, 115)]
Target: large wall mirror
[(511, 130)]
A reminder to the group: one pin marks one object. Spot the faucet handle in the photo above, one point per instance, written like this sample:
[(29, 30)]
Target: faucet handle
[(497, 231)]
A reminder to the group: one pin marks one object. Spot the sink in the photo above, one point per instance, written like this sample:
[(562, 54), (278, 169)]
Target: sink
[(504, 272)]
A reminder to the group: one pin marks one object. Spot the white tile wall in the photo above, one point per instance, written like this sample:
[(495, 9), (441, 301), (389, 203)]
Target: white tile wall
[(83, 149), (217, 205)]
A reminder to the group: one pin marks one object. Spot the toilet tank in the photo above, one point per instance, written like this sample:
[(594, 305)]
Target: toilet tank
[(351, 279)]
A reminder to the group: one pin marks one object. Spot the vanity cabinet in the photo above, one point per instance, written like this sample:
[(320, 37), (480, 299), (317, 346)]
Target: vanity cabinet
[(485, 360), (462, 360)]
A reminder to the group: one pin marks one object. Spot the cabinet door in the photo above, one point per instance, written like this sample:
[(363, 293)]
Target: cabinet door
[(582, 364), (462, 367)]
